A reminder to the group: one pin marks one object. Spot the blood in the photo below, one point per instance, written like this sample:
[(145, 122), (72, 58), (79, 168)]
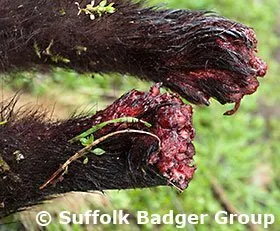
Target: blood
[(171, 121)]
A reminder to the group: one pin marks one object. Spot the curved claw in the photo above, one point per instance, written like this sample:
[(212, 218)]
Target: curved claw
[(232, 111)]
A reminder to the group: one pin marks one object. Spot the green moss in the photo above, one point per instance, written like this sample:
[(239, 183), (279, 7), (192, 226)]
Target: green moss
[(4, 167), (100, 9), (3, 122), (18, 156), (62, 12), (80, 49), (37, 50), (56, 58)]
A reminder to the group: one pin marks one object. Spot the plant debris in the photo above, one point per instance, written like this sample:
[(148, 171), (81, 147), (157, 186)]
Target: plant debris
[(141, 140)]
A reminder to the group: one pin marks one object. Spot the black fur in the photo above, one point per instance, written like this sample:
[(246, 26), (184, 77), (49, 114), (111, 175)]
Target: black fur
[(44, 146), (176, 47), (197, 54)]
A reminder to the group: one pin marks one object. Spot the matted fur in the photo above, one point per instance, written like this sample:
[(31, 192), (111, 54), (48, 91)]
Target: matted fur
[(131, 160), (195, 53)]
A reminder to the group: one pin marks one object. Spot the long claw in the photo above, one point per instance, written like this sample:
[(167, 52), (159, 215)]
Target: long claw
[(232, 111)]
